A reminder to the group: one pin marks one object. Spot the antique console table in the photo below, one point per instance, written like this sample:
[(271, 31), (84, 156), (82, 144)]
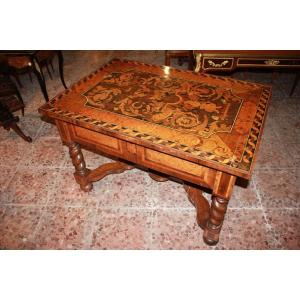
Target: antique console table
[(204, 130), (229, 60)]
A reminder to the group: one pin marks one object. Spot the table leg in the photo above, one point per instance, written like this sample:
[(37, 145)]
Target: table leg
[(81, 172), (215, 221), (61, 67), (201, 204), (221, 194)]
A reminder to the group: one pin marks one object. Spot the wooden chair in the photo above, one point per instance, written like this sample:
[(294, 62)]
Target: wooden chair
[(9, 94), (27, 61), (10, 101), (180, 55)]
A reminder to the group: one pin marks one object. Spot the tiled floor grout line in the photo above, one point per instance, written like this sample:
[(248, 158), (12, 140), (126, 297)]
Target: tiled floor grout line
[(43, 209), (268, 225), (135, 208)]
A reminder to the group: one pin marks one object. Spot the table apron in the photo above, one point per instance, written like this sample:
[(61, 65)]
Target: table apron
[(158, 161)]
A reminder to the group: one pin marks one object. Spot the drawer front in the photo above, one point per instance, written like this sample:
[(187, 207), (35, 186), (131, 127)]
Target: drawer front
[(176, 167), (217, 63), (268, 62), (96, 140)]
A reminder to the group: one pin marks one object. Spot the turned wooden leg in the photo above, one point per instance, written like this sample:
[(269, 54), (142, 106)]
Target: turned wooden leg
[(81, 172), (215, 220), (200, 203)]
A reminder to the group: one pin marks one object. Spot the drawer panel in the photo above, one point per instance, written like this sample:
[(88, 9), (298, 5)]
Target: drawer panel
[(102, 142), (217, 63), (176, 167)]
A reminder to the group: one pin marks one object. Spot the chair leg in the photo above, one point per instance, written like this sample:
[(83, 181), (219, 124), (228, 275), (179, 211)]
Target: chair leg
[(47, 67), (19, 95), (16, 76), (51, 64), (30, 77), (19, 132), (61, 67)]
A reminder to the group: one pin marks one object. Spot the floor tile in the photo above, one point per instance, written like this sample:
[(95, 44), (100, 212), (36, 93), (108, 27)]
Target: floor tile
[(121, 229), (29, 187), (172, 194), (132, 188), (30, 125), (176, 230), (17, 226), (46, 152), (5, 177), (273, 155), (13, 151), (244, 197), (289, 129), (48, 130), (245, 229), (278, 188), (294, 153), (64, 228), (286, 222), (67, 192)]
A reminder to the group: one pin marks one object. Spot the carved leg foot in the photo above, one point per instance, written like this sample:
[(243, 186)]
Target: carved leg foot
[(215, 220), (81, 172), (201, 204)]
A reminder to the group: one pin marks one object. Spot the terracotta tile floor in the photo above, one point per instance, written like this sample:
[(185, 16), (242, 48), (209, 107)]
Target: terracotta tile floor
[(41, 206)]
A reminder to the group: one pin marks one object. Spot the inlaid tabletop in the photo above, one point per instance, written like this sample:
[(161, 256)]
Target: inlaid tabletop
[(211, 120)]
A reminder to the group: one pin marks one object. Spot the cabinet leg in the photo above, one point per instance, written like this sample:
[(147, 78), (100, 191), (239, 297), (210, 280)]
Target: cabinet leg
[(81, 172), (215, 221)]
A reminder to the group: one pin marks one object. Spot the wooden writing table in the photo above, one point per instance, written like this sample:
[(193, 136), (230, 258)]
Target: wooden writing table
[(201, 129)]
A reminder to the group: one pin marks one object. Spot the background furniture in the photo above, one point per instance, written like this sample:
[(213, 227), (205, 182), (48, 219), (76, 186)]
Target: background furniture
[(230, 60), (8, 121), (33, 61), (10, 101), (180, 55), (9, 94)]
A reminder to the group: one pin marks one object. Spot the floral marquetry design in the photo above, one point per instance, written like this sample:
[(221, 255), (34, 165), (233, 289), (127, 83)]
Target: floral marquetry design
[(196, 107)]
